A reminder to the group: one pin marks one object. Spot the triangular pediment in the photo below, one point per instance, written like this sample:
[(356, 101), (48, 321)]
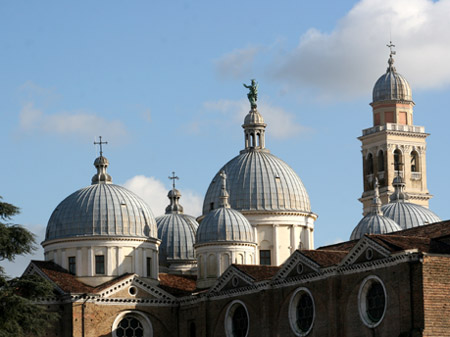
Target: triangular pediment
[(134, 287), (365, 250), (296, 265), (232, 278)]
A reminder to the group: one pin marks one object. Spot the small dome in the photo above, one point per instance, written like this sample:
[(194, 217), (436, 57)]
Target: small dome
[(258, 180), (392, 86), (253, 117), (224, 223), (177, 235), (409, 215), (375, 222), (101, 209), (404, 213)]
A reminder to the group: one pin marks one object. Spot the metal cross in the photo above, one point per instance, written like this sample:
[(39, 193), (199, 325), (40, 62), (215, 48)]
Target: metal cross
[(100, 143), (391, 45), (173, 178)]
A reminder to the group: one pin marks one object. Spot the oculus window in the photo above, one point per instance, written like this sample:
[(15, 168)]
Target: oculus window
[(372, 300), (301, 312), (237, 320)]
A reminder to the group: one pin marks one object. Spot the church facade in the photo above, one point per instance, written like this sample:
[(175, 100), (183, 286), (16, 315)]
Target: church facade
[(247, 266)]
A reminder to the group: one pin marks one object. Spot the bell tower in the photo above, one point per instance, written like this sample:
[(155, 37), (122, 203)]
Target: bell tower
[(393, 145)]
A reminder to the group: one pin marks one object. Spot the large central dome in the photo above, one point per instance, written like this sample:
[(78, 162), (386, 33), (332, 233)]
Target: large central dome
[(258, 180)]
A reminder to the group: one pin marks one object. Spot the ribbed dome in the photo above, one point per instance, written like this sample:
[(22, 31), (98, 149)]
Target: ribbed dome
[(253, 117), (258, 180), (404, 213), (101, 209), (391, 86), (374, 224), (409, 215), (177, 235), (224, 224)]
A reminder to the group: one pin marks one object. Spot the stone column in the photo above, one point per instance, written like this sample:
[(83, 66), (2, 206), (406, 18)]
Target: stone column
[(119, 260), (109, 265), (275, 245), (90, 271), (79, 263)]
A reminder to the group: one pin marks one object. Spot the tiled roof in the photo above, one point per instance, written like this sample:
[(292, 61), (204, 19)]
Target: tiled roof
[(325, 258), (395, 243), (258, 273), (345, 246), (62, 278), (177, 285), (431, 231)]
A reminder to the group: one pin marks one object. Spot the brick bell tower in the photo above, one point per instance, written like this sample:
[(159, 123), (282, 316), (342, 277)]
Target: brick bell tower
[(393, 145)]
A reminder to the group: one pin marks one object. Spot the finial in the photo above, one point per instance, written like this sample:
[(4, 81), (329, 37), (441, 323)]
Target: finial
[(223, 193), (173, 178), (391, 59), (376, 203), (100, 143), (253, 93), (399, 194)]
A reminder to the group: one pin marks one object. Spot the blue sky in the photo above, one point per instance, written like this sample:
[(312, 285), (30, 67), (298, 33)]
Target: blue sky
[(162, 83)]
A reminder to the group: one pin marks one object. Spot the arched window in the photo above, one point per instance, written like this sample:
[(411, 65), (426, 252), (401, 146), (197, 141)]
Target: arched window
[(132, 324), (369, 164), (398, 160), (380, 160), (415, 162)]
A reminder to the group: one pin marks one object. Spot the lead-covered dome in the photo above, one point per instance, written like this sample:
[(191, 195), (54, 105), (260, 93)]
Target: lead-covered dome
[(392, 86), (176, 232), (258, 180), (224, 224), (101, 209), (407, 214), (375, 222)]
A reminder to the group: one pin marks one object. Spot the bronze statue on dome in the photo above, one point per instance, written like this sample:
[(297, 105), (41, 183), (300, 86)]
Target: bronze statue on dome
[(253, 93)]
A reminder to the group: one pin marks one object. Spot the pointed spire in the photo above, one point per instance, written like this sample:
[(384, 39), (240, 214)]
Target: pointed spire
[(101, 164), (223, 198), (399, 194), (174, 196), (376, 203)]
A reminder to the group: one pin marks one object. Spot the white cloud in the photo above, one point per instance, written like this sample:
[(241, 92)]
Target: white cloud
[(346, 62), (154, 192), (236, 64), (81, 124), (282, 124)]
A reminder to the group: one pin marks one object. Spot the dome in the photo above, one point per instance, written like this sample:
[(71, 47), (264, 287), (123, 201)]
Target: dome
[(409, 215), (177, 235), (253, 117), (375, 222), (258, 180), (176, 231), (101, 209), (391, 86), (224, 223), (404, 213)]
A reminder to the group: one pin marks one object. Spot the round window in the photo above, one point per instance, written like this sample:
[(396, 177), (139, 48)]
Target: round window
[(301, 312), (132, 324), (372, 301), (236, 320)]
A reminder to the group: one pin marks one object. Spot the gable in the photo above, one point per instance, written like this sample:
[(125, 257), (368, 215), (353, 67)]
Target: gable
[(365, 250), (232, 278), (297, 264)]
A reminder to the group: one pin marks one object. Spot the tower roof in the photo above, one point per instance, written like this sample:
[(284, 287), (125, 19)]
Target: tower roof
[(392, 86)]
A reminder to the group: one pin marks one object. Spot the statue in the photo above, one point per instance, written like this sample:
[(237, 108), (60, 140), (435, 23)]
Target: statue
[(253, 93)]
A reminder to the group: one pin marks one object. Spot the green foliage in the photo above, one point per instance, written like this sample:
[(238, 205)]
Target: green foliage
[(20, 315)]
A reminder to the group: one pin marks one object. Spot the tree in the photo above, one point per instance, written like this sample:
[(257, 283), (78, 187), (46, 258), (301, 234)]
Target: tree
[(20, 315)]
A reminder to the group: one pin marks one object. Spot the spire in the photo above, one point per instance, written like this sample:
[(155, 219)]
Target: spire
[(391, 67), (174, 196), (399, 194), (376, 203), (101, 163), (223, 202), (254, 126)]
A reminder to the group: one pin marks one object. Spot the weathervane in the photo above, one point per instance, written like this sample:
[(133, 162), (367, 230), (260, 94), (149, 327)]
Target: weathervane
[(100, 143), (173, 178)]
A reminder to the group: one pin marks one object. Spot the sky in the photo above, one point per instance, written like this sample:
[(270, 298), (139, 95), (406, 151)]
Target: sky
[(161, 81)]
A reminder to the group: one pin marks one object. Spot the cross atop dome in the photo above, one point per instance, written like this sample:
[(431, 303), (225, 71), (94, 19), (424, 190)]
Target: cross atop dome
[(100, 143)]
